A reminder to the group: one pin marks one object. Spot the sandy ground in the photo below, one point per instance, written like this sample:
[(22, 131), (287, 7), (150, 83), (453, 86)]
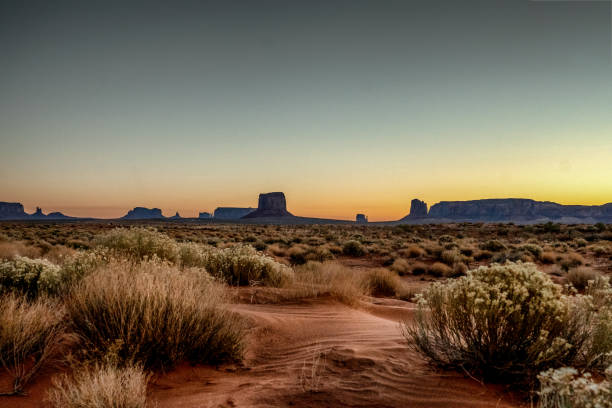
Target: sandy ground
[(316, 353)]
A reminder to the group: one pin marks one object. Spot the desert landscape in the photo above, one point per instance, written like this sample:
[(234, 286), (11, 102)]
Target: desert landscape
[(316, 315), (306, 203)]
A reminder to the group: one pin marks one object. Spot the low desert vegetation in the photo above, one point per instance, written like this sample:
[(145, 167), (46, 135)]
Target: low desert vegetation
[(30, 337), (100, 386), (127, 301), (566, 388), (152, 314), (506, 323)]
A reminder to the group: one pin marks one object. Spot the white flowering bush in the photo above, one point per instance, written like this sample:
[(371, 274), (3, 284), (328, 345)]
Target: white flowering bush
[(237, 265), (243, 265), (28, 276), (565, 388), (33, 277), (139, 243), (597, 351), (502, 321)]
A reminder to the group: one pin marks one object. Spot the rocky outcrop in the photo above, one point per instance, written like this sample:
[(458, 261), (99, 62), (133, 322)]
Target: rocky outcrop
[(418, 209), (361, 219), (12, 211), (142, 213), (517, 209), (271, 205), (231, 213), (176, 216), (204, 216)]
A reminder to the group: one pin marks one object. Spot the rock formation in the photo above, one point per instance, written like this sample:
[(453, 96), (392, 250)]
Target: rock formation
[(12, 211), (361, 219), (176, 216), (142, 213), (204, 215), (518, 209), (231, 213), (271, 205), (418, 209)]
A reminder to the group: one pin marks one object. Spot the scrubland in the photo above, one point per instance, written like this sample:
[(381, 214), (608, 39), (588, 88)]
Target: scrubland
[(96, 314)]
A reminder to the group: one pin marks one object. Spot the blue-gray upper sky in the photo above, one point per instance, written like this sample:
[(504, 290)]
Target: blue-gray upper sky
[(346, 106)]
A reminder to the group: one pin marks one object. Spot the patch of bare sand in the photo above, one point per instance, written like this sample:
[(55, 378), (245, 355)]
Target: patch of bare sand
[(360, 359)]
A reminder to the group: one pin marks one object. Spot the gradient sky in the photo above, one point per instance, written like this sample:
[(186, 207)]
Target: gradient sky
[(346, 106)]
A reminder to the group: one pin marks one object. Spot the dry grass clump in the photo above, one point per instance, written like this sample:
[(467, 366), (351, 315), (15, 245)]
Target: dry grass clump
[(439, 269), (571, 260), (565, 388), (11, 249), (30, 335), (353, 248), (154, 314), (101, 386), (548, 257), (579, 277), (382, 282), (316, 279), (401, 266), (502, 322), (414, 251)]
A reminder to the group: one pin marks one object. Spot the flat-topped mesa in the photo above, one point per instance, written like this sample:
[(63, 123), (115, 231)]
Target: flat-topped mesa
[(11, 211), (361, 219), (418, 209), (271, 205), (142, 213), (231, 213), (518, 209), (204, 216)]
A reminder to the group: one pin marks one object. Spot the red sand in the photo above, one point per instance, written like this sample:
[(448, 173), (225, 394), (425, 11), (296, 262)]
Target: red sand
[(363, 362)]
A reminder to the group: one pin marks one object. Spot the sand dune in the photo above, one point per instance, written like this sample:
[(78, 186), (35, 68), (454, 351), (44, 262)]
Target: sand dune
[(362, 361)]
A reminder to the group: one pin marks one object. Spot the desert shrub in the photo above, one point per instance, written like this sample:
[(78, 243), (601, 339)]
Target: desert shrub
[(297, 254), (154, 314), (32, 277), (353, 248), (493, 246), (382, 282), (401, 266), (316, 279), (533, 249), (139, 243), (500, 322), (30, 335), (439, 269), (571, 260), (445, 238), (565, 388), (450, 257), (459, 269), (579, 277), (29, 276), (548, 257), (419, 268), (100, 386), (483, 255), (11, 249), (415, 251), (276, 250), (242, 265), (597, 316)]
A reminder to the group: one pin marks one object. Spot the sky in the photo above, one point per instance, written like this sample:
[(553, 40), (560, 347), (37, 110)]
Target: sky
[(345, 106)]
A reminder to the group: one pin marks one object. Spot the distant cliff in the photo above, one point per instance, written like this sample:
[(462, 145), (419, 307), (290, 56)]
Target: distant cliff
[(142, 213), (518, 209)]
